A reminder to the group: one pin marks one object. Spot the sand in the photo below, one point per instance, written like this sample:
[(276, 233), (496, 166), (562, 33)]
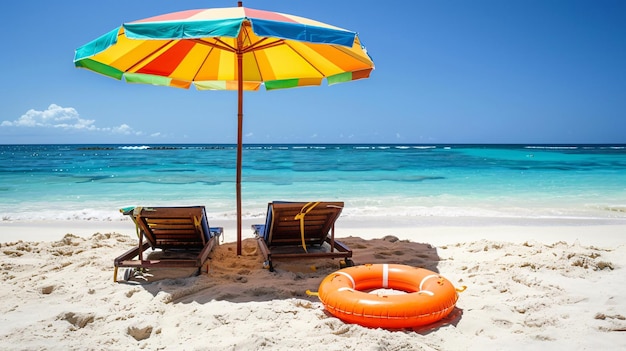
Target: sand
[(557, 285)]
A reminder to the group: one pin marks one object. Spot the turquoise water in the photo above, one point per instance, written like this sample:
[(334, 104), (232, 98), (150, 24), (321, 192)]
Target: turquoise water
[(91, 182)]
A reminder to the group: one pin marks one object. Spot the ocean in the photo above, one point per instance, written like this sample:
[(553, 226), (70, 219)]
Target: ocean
[(92, 182)]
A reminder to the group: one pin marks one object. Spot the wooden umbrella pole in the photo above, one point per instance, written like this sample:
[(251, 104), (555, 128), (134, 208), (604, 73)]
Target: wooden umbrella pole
[(239, 136)]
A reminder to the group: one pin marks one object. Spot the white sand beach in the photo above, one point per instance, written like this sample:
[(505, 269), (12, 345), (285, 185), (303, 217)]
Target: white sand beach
[(529, 286)]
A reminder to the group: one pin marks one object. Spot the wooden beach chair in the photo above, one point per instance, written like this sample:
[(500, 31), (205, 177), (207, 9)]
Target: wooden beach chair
[(181, 233), (301, 230)]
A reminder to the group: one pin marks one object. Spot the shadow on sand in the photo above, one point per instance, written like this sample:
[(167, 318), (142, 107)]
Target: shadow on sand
[(239, 279)]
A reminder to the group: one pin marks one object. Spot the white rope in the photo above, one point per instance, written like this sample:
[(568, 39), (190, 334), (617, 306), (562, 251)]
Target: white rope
[(385, 275), (422, 284), (349, 277)]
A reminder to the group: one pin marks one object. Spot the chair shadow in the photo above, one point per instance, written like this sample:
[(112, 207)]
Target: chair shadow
[(241, 279), (228, 275)]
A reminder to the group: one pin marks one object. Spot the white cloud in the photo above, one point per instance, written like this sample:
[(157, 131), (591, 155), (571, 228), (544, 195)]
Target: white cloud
[(123, 129), (65, 118), (55, 116)]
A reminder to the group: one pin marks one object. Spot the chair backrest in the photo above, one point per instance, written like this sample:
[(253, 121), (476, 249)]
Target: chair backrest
[(174, 227), (283, 222)]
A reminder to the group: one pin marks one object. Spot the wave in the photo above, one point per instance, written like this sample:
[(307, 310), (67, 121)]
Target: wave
[(618, 208), (354, 208), (142, 147), (551, 147)]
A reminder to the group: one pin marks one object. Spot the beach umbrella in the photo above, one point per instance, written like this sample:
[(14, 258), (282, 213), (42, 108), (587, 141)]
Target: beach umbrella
[(235, 48)]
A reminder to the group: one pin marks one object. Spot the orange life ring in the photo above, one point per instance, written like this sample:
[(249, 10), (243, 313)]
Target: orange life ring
[(429, 298)]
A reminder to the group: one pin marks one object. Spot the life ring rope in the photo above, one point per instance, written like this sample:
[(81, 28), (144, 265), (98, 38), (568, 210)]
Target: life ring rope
[(385, 276), (428, 292), (347, 276)]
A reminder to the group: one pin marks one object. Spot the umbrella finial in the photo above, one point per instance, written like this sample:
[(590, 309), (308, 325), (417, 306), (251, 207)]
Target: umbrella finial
[(239, 3)]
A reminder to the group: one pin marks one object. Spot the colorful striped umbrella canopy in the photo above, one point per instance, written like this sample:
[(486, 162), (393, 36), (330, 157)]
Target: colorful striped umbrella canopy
[(234, 48)]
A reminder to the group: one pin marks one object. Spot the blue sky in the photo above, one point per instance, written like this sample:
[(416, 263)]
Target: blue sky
[(447, 71)]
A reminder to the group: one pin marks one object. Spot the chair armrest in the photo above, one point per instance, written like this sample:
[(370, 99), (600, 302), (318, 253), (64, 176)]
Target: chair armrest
[(259, 229), (216, 231)]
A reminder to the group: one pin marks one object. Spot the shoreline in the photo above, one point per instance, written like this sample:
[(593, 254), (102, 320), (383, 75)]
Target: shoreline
[(432, 230)]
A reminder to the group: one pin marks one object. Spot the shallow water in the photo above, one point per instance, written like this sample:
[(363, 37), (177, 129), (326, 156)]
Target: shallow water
[(40, 182)]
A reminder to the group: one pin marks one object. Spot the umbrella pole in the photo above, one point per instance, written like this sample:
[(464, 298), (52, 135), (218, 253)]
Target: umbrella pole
[(239, 139)]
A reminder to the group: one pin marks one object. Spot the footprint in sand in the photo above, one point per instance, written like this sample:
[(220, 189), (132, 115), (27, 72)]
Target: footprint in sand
[(79, 320), (48, 289), (140, 332)]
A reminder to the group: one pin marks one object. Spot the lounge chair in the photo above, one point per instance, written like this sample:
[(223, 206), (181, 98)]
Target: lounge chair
[(182, 233), (300, 230)]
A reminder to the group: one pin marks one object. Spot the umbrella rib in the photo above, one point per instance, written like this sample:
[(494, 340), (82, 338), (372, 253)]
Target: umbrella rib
[(259, 46), (220, 44), (140, 62), (305, 59), (349, 53), (340, 49), (195, 75)]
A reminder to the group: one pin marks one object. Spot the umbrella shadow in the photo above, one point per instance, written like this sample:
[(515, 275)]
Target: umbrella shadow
[(243, 279)]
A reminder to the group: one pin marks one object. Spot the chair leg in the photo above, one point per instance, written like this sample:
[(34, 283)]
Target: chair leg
[(268, 264)]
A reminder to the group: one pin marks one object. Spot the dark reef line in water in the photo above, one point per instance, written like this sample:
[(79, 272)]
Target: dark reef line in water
[(99, 148)]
